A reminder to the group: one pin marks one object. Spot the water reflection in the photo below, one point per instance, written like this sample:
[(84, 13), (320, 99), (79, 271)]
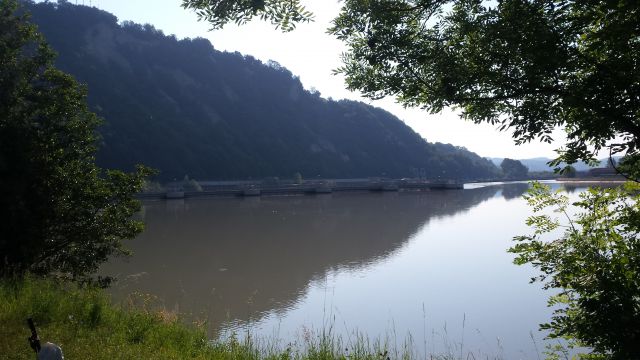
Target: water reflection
[(571, 188), (229, 259), (514, 190)]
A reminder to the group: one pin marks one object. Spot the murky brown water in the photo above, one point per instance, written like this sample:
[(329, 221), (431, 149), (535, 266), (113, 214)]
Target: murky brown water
[(385, 264)]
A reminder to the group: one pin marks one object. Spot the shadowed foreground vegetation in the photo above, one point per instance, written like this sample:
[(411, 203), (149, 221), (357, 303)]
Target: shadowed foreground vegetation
[(82, 320)]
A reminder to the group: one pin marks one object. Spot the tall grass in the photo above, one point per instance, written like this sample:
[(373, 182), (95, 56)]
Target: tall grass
[(83, 321), (86, 325)]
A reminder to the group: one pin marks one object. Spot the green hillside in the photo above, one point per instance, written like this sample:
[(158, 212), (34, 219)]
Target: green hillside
[(184, 108)]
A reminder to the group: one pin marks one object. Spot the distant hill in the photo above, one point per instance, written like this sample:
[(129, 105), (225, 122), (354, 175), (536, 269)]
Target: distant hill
[(186, 109), (540, 163)]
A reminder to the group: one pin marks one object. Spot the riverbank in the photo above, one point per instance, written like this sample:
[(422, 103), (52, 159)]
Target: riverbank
[(593, 180), (86, 325)]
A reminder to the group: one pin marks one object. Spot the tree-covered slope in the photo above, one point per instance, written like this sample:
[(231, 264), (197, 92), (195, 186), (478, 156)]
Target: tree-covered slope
[(184, 108)]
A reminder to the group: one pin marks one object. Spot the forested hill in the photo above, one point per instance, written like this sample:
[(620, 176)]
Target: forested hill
[(186, 109)]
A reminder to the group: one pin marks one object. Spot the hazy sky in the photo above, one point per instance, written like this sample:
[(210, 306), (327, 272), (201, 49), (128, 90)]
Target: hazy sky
[(311, 54)]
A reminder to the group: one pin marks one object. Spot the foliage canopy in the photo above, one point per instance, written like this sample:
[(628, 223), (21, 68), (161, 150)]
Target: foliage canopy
[(529, 66), (221, 115), (282, 14), (595, 263), (513, 169), (60, 212)]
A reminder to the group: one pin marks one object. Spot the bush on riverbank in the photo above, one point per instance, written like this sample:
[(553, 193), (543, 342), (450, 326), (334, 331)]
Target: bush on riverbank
[(86, 325)]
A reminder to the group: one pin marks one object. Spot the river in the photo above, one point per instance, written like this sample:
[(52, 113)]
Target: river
[(427, 266)]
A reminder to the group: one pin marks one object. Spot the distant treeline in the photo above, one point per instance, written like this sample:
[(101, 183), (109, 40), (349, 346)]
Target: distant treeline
[(184, 108)]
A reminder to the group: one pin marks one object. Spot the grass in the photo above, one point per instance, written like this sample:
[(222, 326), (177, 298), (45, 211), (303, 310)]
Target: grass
[(83, 321), (86, 325)]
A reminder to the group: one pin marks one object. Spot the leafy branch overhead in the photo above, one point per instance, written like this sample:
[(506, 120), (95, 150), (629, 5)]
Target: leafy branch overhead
[(529, 67), (283, 14)]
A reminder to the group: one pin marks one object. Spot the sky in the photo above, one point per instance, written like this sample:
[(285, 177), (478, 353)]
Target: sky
[(311, 54)]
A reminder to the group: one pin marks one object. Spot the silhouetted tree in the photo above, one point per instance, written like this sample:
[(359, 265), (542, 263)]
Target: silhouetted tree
[(60, 212), (513, 169), (569, 171)]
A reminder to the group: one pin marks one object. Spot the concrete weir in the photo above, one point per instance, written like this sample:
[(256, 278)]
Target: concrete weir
[(246, 188)]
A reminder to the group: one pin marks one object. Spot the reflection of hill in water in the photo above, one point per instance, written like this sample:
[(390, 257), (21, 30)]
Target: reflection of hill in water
[(210, 257)]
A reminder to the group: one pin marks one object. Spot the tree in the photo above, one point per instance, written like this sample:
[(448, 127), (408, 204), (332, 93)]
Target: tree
[(283, 14), (569, 171), (595, 263), (513, 169), (529, 66), (191, 184), (60, 212), (274, 127), (297, 178)]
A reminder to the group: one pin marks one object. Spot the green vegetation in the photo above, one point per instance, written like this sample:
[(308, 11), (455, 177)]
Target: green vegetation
[(595, 263), (60, 212), (64, 215), (569, 172), (191, 184), (87, 326), (282, 14), (182, 107), (526, 66), (529, 67), (513, 169)]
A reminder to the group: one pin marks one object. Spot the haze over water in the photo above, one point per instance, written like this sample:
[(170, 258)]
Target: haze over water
[(433, 265)]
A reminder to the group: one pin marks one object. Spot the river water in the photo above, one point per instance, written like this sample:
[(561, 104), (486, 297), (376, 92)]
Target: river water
[(427, 266)]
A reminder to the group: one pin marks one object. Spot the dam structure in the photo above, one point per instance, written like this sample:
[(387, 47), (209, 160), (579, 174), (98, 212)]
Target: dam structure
[(273, 187)]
